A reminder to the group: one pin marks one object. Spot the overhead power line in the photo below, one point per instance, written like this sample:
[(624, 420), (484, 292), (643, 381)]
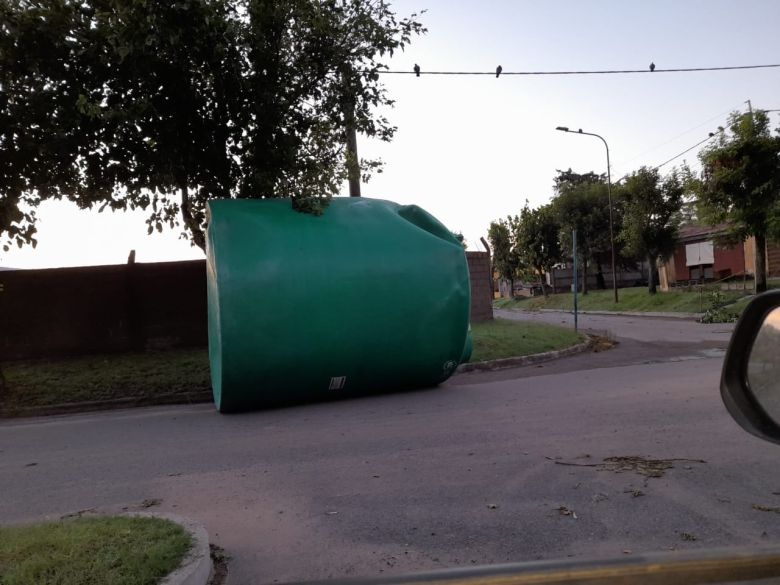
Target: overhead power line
[(676, 156), (686, 151), (690, 148), (419, 71), (710, 137)]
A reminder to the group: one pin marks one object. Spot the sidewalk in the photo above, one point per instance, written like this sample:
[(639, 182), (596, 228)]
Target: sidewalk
[(654, 314)]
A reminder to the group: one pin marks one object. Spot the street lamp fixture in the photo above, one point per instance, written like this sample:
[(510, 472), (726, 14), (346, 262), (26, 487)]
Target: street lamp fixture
[(609, 195)]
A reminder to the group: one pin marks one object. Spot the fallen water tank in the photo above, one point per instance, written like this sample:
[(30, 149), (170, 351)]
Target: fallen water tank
[(371, 296)]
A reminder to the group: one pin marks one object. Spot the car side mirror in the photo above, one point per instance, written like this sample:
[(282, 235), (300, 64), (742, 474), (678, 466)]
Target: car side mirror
[(750, 381)]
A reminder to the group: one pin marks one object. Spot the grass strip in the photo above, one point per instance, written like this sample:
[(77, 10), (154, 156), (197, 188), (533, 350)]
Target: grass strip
[(179, 374), (630, 299), (92, 551), (104, 377), (502, 338)]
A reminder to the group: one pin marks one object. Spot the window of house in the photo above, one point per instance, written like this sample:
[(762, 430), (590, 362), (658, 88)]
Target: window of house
[(699, 253)]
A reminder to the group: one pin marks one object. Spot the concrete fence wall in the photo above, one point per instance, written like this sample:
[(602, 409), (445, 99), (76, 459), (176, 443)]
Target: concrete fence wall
[(104, 309)]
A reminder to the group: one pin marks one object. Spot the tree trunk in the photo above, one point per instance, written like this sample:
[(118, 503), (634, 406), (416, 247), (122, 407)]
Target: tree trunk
[(511, 288), (600, 282), (760, 263), (651, 274), (584, 274), (198, 237), (541, 281)]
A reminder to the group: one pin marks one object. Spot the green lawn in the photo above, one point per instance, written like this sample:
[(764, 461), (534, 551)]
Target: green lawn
[(142, 376), (502, 338), (182, 375), (631, 299), (92, 551)]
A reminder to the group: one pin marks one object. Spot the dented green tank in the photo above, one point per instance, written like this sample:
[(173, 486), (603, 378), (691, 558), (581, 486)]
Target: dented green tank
[(370, 296)]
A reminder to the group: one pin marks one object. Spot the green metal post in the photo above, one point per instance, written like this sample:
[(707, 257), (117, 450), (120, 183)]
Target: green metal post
[(575, 282)]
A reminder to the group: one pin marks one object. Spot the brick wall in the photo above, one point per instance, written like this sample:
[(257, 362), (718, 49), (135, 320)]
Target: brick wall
[(773, 259), (104, 309), (481, 286)]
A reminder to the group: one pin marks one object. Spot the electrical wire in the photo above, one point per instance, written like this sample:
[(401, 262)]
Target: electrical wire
[(676, 156), (710, 137), (584, 72), (680, 135), (686, 151)]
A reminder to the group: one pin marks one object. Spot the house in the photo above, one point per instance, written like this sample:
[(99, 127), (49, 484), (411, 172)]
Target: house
[(697, 258)]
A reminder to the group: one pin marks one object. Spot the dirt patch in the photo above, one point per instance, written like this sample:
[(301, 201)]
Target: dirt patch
[(219, 560), (634, 464), (601, 343)]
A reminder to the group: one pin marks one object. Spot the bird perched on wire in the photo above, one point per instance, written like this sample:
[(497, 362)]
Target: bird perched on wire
[(417, 70), (652, 67), (499, 69)]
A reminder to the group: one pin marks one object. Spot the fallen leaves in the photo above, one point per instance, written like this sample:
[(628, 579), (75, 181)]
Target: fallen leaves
[(762, 508), (633, 463), (600, 343), (564, 511)]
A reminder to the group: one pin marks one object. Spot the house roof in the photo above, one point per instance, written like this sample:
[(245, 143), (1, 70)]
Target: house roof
[(690, 233)]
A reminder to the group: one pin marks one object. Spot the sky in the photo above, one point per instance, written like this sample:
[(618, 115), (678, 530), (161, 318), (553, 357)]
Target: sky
[(473, 149)]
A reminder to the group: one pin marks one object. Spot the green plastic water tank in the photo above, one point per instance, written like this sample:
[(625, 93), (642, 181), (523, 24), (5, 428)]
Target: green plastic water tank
[(371, 296)]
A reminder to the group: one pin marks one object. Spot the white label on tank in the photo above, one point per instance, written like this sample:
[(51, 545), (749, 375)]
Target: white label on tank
[(337, 382)]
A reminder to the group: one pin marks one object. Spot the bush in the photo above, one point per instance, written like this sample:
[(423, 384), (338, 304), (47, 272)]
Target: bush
[(716, 312)]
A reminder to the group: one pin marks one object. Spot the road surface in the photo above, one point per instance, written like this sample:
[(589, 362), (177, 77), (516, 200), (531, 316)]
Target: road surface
[(486, 469)]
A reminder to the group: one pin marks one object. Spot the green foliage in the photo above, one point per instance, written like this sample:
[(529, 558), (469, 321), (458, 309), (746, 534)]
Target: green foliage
[(716, 311), (581, 202), (461, 238), (117, 550), (501, 236), (740, 184), (651, 215), (121, 103), (537, 238)]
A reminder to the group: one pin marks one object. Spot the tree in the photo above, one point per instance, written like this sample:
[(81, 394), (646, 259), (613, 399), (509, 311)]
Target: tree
[(651, 215), (121, 103), (536, 236), (741, 184), (581, 202), (506, 261)]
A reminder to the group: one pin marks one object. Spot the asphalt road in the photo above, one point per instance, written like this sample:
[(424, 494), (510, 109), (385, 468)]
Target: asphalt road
[(474, 472)]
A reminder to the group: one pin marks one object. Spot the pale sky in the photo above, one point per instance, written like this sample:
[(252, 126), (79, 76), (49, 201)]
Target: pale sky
[(473, 149)]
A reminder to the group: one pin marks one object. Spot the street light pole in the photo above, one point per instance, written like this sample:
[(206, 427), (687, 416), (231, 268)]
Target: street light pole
[(609, 196)]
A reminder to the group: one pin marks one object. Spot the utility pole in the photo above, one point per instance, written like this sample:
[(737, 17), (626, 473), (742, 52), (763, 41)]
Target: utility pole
[(353, 162)]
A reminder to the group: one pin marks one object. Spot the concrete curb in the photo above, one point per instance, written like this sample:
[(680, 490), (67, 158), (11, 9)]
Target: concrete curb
[(655, 315), (196, 567), (525, 360)]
